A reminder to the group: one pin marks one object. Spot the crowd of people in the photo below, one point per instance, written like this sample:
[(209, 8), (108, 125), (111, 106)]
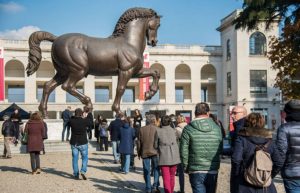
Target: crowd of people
[(168, 145)]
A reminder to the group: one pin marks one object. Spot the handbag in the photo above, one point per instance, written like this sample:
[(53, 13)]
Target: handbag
[(24, 139)]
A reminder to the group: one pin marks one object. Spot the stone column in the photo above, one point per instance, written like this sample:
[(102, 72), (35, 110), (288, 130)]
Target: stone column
[(170, 84)]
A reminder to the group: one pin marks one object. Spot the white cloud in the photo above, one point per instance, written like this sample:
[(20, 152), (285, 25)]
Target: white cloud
[(11, 7), (19, 34)]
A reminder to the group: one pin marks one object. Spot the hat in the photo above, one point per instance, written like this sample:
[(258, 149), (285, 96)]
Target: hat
[(6, 116), (293, 106)]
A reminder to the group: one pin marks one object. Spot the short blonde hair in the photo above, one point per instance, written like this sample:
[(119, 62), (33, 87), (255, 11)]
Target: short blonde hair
[(181, 119)]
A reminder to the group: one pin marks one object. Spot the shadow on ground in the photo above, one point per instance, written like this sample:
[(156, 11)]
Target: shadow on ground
[(13, 169)]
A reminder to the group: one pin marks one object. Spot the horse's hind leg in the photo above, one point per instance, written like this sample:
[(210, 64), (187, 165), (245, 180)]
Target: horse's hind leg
[(123, 79), (47, 89), (70, 86), (145, 72)]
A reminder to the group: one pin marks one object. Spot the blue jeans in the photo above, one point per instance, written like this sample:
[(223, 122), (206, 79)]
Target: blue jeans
[(126, 163), (147, 171), (291, 185), (115, 147), (83, 149), (66, 127), (203, 182)]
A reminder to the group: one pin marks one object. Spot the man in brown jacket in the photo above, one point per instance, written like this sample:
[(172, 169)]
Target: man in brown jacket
[(147, 139)]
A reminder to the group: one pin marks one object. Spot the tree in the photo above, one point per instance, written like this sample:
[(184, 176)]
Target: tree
[(284, 53)]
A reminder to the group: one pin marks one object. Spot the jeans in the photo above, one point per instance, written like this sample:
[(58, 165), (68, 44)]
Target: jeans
[(126, 163), (203, 182), (66, 127), (103, 141), (115, 147), (147, 170), (168, 174), (35, 160), (291, 185), (83, 149), (180, 170)]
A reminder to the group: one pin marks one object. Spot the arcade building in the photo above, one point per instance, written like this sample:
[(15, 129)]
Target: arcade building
[(237, 72)]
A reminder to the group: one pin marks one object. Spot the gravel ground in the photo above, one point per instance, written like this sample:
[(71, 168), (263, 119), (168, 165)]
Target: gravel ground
[(103, 176)]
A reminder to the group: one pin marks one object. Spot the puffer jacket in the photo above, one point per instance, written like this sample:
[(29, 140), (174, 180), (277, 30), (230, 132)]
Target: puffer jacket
[(288, 143), (242, 157), (201, 145)]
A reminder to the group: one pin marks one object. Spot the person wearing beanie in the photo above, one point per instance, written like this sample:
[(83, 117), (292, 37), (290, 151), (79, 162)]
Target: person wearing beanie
[(288, 143)]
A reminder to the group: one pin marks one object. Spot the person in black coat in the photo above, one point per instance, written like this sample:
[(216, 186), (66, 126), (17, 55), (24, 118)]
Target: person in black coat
[(288, 143), (137, 118), (79, 143), (9, 132), (248, 138), (89, 116)]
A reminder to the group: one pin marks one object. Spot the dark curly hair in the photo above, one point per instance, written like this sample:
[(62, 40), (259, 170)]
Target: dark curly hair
[(130, 15)]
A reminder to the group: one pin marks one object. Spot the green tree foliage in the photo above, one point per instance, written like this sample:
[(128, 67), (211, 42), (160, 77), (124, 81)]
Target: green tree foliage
[(284, 53)]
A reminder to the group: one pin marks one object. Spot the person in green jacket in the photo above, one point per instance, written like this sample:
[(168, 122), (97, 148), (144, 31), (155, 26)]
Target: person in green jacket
[(200, 149)]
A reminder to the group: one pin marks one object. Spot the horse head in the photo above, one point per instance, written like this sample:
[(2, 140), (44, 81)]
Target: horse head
[(153, 25)]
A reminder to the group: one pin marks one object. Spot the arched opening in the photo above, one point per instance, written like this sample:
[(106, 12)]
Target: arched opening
[(14, 68), (208, 83), (46, 70), (257, 44)]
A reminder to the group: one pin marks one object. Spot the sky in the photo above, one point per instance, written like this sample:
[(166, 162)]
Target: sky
[(183, 22)]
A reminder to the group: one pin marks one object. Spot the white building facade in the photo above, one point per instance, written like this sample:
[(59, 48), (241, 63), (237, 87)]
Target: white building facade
[(235, 73)]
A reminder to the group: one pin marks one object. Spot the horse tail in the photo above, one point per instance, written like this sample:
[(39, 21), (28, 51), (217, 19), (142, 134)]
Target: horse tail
[(35, 52)]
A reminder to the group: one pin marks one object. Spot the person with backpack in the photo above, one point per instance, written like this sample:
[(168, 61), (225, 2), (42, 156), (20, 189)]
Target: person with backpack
[(103, 135), (9, 133), (255, 160), (288, 144)]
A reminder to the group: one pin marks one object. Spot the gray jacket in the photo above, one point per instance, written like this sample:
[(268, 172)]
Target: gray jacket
[(167, 146)]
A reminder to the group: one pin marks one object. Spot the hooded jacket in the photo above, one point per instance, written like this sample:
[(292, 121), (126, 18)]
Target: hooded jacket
[(242, 157), (201, 145)]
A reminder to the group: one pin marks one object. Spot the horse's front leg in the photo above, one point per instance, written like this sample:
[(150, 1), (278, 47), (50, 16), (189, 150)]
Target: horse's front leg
[(145, 72), (123, 79)]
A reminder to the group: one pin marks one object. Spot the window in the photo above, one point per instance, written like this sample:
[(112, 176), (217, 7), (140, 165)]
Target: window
[(229, 84), (102, 94), (228, 52), (204, 95), (257, 44), (179, 94), (16, 93), (258, 83), (39, 94), (71, 98), (128, 96)]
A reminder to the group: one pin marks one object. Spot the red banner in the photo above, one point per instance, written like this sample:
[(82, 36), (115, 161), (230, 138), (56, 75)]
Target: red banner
[(1, 73), (144, 82)]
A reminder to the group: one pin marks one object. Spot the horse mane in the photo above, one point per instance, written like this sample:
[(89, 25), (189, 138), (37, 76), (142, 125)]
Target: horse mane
[(130, 15)]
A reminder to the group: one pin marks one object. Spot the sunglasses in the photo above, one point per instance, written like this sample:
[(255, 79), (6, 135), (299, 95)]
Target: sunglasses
[(235, 112)]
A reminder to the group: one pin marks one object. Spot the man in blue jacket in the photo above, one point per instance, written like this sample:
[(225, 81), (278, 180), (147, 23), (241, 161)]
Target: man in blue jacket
[(115, 128), (288, 144), (66, 116)]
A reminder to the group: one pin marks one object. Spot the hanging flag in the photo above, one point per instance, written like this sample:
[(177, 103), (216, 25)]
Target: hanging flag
[(144, 82)]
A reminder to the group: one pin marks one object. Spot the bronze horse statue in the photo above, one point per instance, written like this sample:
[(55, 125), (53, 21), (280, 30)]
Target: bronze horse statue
[(75, 56)]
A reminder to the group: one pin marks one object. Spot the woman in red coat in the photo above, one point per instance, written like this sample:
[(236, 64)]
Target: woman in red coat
[(35, 129)]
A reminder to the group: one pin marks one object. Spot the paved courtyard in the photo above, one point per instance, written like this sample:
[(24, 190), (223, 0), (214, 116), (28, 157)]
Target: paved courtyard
[(103, 175)]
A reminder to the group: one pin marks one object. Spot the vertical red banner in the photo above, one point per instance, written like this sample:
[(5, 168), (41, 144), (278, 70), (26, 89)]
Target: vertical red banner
[(1, 73), (144, 82)]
